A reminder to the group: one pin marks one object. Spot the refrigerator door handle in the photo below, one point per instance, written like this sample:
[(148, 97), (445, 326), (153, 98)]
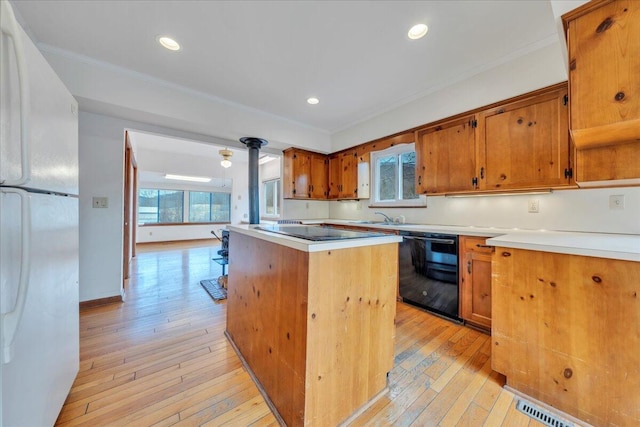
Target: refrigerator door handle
[(9, 25), (11, 319)]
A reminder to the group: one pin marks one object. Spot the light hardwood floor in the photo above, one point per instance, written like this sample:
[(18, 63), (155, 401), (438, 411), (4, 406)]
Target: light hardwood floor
[(161, 358)]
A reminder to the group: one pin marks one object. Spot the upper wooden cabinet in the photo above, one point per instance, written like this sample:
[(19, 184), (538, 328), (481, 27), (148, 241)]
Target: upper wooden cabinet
[(305, 174), (343, 175), (445, 157), (525, 143), (604, 80)]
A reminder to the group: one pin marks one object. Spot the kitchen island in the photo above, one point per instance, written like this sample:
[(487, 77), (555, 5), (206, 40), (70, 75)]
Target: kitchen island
[(313, 321)]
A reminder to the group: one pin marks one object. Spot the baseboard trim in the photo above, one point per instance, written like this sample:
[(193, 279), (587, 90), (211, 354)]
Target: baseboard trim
[(101, 301)]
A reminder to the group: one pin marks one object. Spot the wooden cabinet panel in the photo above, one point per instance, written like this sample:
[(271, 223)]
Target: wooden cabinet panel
[(349, 175), (525, 144), (319, 176), (604, 66), (604, 81), (445, 157), (343, 176), (304, 174), (475, 281), (317, 329), (334, 177), (565, 332)]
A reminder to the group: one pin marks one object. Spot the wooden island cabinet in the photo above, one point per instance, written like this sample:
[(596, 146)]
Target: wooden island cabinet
[(566, 331), (314, 326)]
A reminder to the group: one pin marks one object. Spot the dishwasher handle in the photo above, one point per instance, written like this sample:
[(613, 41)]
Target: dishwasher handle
[(431, 239)]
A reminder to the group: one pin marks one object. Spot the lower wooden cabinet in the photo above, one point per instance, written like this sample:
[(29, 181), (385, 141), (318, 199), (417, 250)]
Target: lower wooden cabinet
[(475, 281), (566, 332)]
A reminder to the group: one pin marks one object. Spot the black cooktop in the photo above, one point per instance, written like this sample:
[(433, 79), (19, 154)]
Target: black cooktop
[(317, 233)]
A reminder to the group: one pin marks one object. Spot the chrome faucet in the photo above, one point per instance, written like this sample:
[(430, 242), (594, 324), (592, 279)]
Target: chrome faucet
[(387, 220)]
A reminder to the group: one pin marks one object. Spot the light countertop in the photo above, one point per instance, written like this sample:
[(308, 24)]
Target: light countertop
[(601, 245), (313, 246)]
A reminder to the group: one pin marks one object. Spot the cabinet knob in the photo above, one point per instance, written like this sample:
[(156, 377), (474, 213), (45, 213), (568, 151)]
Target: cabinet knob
[(469, 267)]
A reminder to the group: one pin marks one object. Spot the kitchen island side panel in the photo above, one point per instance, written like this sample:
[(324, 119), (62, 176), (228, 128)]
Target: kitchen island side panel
[(266, 318), (352, 306), (566, 331)]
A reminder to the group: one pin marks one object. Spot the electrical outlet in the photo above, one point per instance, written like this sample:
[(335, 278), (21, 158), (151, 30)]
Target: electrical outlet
[(534, 206), (307, 205), (616, 202), (358, 206), (100, 202)]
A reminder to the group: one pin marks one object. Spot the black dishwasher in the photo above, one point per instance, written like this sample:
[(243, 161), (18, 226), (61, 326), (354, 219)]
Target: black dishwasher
[(428, 272)]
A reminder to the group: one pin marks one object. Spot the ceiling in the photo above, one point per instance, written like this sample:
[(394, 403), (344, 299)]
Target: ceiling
[(354, 56), (143, 141)]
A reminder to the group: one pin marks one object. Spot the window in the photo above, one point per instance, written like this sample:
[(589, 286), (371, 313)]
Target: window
[(160, 206), (271, 197), (179, 207), (393, 177), (209, 207)]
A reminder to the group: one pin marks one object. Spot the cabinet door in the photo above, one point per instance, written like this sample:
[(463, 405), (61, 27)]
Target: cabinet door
[(302, 175), (525, 144), (604, 80), (318, 174), (445, 156), (334, 177), (348, 175), (475, 286), (604, 65)]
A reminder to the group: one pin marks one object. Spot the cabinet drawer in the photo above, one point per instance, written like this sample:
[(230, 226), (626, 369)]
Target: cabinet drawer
[(477, 245)]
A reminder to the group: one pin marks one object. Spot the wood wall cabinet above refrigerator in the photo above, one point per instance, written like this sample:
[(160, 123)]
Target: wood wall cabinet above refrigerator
[(446, 157), (604, 80), (525, 143), (305, 174)]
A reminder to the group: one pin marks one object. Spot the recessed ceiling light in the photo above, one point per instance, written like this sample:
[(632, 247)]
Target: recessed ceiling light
[(417, 31), (313, 101), (169, 43)]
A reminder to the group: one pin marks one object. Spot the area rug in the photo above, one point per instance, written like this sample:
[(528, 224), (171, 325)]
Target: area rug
[(216, 291)]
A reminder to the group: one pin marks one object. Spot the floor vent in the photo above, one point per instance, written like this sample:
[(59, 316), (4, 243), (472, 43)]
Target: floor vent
[(545, 417)]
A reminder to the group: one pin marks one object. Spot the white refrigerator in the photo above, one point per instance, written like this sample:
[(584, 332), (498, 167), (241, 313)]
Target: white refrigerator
[(38, 232)]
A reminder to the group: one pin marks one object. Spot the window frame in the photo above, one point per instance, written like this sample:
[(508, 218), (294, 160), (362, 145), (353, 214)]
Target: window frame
[(276, 198), (186, 207), (210, 193), (374, 201)]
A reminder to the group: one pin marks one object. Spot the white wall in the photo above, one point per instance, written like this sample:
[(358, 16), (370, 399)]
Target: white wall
[(186, 164), (574, 210), (536, 70), (567, 210), (101, 153), (306, 209), (101, 156)]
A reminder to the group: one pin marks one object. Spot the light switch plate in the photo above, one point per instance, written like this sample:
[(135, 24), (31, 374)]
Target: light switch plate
[(100, 202)]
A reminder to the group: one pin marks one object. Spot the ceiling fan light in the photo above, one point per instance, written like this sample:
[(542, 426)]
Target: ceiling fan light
[(226, 155)]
